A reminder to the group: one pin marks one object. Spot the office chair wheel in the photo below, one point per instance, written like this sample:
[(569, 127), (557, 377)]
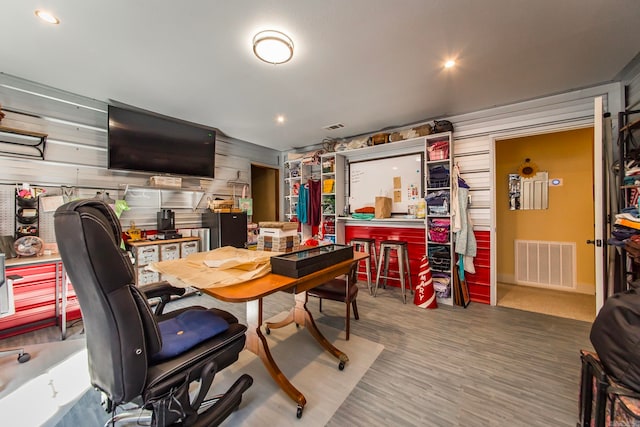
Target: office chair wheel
[(24, 357), (341, 366), (299, 411)]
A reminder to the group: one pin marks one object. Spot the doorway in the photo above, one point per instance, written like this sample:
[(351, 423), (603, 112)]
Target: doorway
[(265, 191), (567, 156)]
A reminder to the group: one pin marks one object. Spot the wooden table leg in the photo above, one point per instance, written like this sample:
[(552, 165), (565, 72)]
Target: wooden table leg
[(302, 316), (257, 344)]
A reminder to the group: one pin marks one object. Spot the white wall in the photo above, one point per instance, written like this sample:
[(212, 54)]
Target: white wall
[(76, 155)]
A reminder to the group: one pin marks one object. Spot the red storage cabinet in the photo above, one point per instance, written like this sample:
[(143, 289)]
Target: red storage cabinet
[(479, 284), (35, 296), (415, 238)]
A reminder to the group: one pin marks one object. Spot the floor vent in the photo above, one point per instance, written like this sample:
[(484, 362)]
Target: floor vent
[(545, 264)]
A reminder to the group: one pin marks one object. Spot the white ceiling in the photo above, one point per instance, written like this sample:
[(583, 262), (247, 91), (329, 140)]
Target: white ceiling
[(369, 64)]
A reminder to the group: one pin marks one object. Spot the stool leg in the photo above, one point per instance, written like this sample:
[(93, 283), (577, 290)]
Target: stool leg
[(374, 251), (385, 254), (406, 252), (375, 292), (367, 265), (401, 263)]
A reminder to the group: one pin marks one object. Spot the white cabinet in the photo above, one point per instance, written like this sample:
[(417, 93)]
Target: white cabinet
[(438, 168), (147, 252)]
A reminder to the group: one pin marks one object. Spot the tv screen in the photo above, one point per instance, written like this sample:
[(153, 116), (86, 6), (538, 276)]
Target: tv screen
[(145, 142)]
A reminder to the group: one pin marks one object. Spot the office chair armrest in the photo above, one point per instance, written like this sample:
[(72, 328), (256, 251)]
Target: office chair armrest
[(163, 290)]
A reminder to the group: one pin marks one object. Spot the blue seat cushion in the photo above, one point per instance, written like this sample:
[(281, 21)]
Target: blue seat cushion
[(186, 330)]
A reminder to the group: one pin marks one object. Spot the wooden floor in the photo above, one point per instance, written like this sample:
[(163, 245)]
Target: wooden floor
[(479, 366)]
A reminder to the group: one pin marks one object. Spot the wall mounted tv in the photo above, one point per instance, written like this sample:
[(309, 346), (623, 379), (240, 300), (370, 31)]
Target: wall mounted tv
[(147, 142)]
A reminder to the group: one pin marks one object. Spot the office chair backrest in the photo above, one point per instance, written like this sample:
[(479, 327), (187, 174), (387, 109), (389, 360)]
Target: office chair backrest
[(121, 331)]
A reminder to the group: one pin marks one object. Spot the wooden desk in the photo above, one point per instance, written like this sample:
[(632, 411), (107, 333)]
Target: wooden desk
[(253, 291)]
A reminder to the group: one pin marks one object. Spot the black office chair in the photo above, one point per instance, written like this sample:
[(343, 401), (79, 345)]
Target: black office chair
[(135, 355)]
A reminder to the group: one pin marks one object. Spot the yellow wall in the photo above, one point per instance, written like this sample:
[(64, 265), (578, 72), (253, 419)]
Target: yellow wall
[(567, 155)]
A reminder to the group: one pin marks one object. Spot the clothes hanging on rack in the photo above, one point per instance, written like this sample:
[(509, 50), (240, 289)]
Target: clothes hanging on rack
[(302, 209), (315, 203), (465, 239)]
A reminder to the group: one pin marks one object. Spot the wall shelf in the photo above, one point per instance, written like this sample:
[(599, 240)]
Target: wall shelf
[(22, 143), (169, 197)]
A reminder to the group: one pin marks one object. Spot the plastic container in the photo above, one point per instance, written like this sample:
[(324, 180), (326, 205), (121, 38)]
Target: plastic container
[(421, 211)]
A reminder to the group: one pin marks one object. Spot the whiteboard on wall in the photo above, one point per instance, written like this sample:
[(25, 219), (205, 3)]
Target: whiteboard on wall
[(398, 177)]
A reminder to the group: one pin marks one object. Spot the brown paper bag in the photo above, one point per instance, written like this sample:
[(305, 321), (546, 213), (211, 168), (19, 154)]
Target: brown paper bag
[(383, 207)]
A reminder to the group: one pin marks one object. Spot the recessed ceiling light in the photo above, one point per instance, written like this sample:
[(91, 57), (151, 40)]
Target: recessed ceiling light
[(47, 17), (280, 119), (273, 47), (450, 63)]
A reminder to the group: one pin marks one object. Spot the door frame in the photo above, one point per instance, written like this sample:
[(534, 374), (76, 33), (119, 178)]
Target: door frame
[(276, 185), (599, 260)]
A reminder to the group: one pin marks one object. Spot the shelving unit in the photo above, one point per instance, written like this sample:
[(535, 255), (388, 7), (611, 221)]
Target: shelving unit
[(27, 217), (328, 178), (440, 250), (629, 125), (292, 180)]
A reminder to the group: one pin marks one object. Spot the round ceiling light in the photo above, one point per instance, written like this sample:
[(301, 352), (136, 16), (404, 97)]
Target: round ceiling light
[(273, 47)]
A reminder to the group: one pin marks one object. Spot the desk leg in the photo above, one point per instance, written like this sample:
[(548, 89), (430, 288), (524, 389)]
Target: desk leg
[(257, 344), (302, 316)]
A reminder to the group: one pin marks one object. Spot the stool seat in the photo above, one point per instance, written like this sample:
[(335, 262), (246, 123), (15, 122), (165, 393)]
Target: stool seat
[(402, 252), (395, 242), (363, 240), (368, 245)]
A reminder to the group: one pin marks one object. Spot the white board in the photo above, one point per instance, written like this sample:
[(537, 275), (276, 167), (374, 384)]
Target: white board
[(398, 177)]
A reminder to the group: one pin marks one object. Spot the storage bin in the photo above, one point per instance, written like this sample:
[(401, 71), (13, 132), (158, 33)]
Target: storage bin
[(439, 235), (439, 258), (438, 151)]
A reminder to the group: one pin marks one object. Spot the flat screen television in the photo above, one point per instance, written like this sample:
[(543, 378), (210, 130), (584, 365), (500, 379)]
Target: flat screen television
[(147, 142)]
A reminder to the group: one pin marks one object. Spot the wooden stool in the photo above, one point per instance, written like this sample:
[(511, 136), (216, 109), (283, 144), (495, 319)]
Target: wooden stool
[(367, 246), (402, 252)]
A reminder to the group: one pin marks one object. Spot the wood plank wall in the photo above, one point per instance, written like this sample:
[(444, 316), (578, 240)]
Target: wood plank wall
[(76, 156)]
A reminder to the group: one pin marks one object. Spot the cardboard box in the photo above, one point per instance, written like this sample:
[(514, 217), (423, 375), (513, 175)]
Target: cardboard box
[(278, 244), (165, 181)]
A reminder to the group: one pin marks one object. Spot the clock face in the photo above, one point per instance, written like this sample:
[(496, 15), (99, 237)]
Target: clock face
[(28, 246)]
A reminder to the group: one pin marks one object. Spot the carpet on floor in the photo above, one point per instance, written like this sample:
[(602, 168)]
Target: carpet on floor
[(309, 368)]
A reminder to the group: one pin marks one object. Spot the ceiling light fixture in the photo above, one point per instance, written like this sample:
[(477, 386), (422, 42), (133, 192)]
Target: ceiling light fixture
[(273, 47), (450, 63), (47, 17), (280, 119)]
